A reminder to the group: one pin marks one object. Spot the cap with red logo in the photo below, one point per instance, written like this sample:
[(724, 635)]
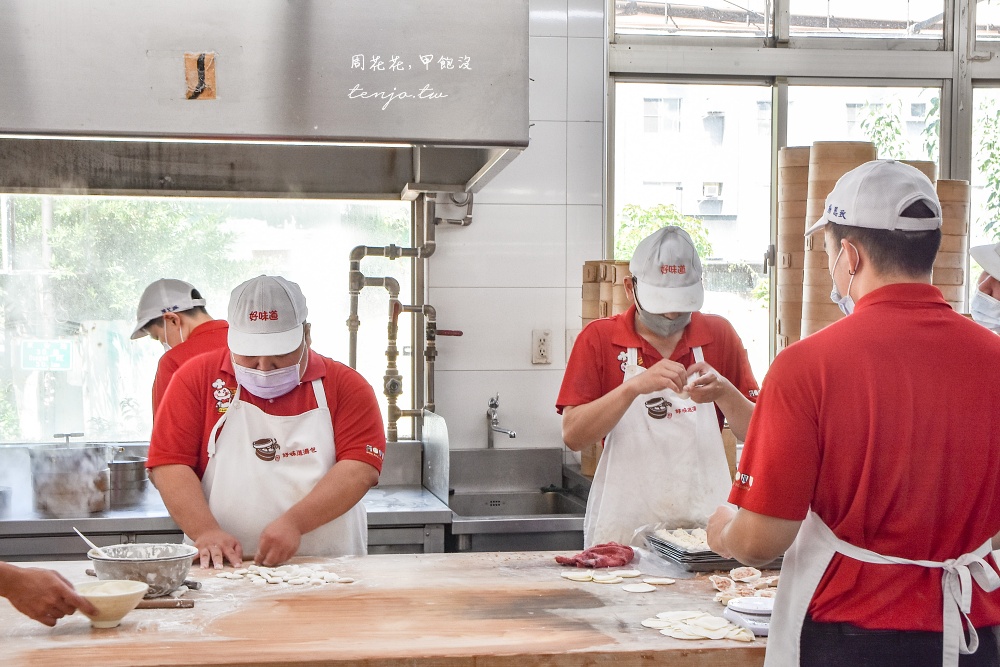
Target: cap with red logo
[(266, 315), (667, 269)]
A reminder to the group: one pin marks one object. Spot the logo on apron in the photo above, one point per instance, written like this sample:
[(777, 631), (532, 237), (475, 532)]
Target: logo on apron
[(266, 449), (659, 408), (222, 394)]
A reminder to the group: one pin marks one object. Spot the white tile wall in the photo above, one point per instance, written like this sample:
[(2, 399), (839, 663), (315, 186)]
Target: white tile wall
[(585, 163), (547, 78), (587, 18), (527, 407), (547, 18), (518, 266), (586, 76), (496, 323), (507, 245), (537, 175)]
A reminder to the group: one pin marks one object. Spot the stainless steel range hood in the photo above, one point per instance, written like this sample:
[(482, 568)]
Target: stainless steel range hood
[(301, 98)]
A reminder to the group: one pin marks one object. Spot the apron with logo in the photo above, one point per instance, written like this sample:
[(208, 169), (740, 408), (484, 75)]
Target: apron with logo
[(260, 465), (663, 463), (805, 564)]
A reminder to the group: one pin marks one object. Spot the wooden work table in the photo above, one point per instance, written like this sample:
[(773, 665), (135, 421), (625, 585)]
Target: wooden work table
[(426, 609)]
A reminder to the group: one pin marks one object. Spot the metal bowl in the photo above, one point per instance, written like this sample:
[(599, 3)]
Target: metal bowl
[(163, 566)]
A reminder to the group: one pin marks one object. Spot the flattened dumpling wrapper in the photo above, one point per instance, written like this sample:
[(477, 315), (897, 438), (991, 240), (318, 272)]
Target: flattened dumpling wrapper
[(709, 622), (657, 623), (680, 615), (740, 634), (677, 633)]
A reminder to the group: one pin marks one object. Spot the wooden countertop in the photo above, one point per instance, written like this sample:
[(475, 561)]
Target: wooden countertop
[(483, 609)]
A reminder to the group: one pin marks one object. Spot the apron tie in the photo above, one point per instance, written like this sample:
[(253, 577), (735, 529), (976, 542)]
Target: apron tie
[(957, 574)]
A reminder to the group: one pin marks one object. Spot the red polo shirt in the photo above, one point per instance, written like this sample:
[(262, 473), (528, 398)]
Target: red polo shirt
[(202, 389), (885, 423), (596, 365), (205, 337)]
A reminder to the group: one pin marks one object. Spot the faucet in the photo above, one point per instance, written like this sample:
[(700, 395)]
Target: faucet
[(493, 424)]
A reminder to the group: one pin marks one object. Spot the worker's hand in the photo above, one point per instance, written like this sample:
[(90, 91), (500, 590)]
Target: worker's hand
[(664, 374), (706, 385), (216, 546), (716, 524), (43, 595), (279, 541)]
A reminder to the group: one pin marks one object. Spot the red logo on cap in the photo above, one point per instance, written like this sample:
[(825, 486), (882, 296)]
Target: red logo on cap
[(263, 315), (673, 268)]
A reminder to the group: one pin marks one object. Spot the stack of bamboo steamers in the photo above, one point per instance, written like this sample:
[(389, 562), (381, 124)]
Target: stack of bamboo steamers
[(806, 175)]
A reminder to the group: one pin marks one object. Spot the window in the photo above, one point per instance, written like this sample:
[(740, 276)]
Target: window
[(727, 211), (72, 270), (662, 115), (915, 19), (984, 223), (749, 18), (872, 114), (987, 19), (662, 192)]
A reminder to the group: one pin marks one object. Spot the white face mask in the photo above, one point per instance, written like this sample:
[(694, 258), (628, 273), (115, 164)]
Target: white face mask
[(269, 384), (986, 310), (845, 302)]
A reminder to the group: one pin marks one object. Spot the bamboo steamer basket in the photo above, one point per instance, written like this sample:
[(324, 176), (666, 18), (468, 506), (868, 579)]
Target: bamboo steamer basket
[(953, 243), (951, 266), (952, 292), (828, 161), (793, 156), (793, 191), (591, 272), (928, 168)]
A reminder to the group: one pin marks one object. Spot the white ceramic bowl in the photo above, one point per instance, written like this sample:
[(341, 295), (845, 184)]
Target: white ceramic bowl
[(163, 566), (113, 599)]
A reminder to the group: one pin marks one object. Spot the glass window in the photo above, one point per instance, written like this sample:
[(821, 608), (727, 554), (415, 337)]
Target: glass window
[(721, 196), (863, 18), (72, 270), (749, 18), (987, 19), (901, 122), (662, 114), (985, 211)]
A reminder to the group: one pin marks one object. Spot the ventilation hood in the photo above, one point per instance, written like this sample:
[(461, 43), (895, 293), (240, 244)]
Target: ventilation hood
[(300, 98)]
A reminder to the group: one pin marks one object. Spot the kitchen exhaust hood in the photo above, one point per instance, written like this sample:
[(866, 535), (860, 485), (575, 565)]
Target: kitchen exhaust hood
[(365, 99)]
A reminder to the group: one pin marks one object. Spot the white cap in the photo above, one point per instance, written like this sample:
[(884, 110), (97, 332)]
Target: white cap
[(875, 195), (667, 270), (988, 257), (265, 317), (166, 295)]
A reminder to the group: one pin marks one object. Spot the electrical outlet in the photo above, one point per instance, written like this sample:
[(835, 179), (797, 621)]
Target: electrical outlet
[(541, 346)]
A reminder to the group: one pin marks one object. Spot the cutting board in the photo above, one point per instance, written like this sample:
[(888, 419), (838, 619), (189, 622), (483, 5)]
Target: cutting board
[(433, 609)]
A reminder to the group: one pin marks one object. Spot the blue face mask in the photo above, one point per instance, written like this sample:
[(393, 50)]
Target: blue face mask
[(845, 301), (985, 310)]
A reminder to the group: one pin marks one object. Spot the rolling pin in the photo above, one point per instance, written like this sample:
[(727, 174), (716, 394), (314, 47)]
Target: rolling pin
[(165, 603)]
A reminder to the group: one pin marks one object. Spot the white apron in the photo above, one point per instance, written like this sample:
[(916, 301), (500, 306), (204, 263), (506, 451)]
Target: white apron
[(663, 463), (260, 465), (806, 562)]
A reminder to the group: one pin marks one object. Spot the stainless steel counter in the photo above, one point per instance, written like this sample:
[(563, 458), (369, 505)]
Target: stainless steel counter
[(400, 518)]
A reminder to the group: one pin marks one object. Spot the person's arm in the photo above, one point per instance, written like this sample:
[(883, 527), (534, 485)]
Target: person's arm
[(42, 595), (343, 486), (184, 498), (713, 387), (751, 538), (590, 422)]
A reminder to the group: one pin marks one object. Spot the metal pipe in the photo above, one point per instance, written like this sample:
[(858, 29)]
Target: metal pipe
[(357, 281)]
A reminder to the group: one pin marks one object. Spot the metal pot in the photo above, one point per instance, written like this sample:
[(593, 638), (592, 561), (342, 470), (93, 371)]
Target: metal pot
[(129, 480), (70, 480)]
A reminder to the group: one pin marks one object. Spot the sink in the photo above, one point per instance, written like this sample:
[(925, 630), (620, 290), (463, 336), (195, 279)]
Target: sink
[(516, 504), (516, 512)]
